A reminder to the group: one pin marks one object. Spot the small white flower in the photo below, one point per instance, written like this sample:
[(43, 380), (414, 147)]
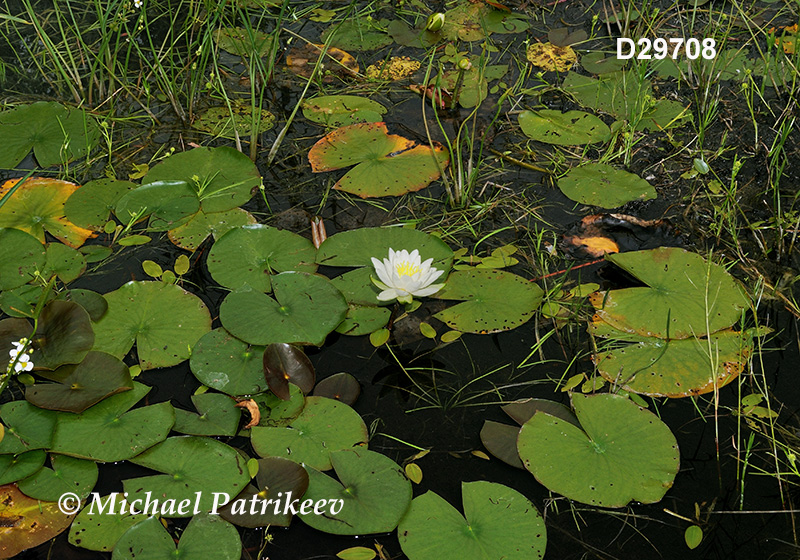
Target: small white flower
[(137, 3), (403, 276), (23, 364), (18, 347)]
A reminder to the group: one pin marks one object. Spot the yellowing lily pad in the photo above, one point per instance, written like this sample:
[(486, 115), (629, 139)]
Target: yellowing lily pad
[(38, 207), (394, 69), (25, 522), (550, 57), (386, 164)]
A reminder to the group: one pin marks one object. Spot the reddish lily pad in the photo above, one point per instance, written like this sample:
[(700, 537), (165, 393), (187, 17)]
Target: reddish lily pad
[(284, 364), (25, 522)]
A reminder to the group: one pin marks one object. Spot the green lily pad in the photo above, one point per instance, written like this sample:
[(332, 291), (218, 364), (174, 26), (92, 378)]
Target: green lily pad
[(169, 203), (27, 427), (498, 522), (21, 301), (341, 110), (21, 256), (564, 129), (190, 465), (357, 34), (324, 426), (686, 296), (227, 123), (598, 62), (101, 531), (308, 307), (357, 286), (25, 522), (63, 261), (623, 452), (357, 247), (23, 465), (364, 319), (191, 234), (67, 475), (94, 303), (37, 206), (278, 413), (474, 82), (55, 133), (676, 368), (493, 300), (474, 22), (109, 431), (621, 94), (222, 178), (600, 184), (277, 479), (665, 114), (249, 255), (372, 494), (64, 335), (386, 164), (217, 416), (90, 206), (164, 320), (227, 364), (149, 540), (80, 386), (244, 42)]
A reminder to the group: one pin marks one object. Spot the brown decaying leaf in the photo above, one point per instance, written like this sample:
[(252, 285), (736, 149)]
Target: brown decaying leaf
[(601, 234), (301, 61), (551, 57), (440, 97), (252, 408), (318, 233)]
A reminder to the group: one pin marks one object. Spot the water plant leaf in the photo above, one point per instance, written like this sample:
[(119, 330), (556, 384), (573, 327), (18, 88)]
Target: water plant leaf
[(602, 185), (27, 427), (238, 119), (37, 207), (169, 203), (225, 363), (64, 335), (90, 206), (665, 114), (276, 479), (22, 465), (498, 522), (419, 38), (386, 164), (276, 412), (493, 300), (550, 57), (501, 441), (621, 94), (80, 386), (251, 254), (308, 307), (21, 301), (342, 387), (341, 110), (163, 320), (357, 553), (101, 531), (284, 364), (244, 42), (55, 133), (474, 82), (363, 319), (356, 248), (564, 129), (217, 415), (222, 178), (394, 69), (149, 540), (324, 426), (686, 296), (94, 303), (475, 21), (622, 453), (693, 536), (596, 62), (109, 431), (337, 63), (25, 522), (190, 465), (21, 256), (191, 234), (676, 368), (372, 488), (357, 34), (66, 475), (63, 261)]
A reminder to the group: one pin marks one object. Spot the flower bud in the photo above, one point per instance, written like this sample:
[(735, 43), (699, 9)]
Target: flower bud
[(435, 22), (464, 64)]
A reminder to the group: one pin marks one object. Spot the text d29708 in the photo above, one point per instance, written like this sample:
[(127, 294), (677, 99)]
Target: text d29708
[(660, 48)]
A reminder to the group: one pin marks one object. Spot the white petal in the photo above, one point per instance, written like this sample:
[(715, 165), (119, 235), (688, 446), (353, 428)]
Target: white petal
[(380, 270), (388, 295), (422, 292)]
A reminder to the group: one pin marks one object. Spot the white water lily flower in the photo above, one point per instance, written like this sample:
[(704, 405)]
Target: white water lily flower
[(23, 364), (403, 276)]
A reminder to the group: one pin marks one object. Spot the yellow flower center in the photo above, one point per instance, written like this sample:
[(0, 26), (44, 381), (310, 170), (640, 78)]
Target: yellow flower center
[(405, 268)]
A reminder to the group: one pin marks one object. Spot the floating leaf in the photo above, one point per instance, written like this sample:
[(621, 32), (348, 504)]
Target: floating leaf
[(564, 129), (308, 307), (284, 364), (109, 432), (324, 426), (55, 133), (386, 164), (191, 234), (94, 304), (372, 491), (22, 465), (64, 335), (244, 42), (693, 536), (597, 62), (276, 412), (302, 60), (340, 386), (340, 110), (227, 364), (101, 530), (251, 254), (498, 522), (475, 21), (550, 57), (27, 427), (474, 82), (356, 553), (164, 320), (419, 38), (37, 207), (501, 441), (67, 475), (170, 203), (25, 522), (228, 122), (21, 256), (602, 185), (357, 247), (90, 206), (363, 319), (395, 69), (493, 300), (622, 94), (150, 540), (217, 416), (357, 34), (686, 296), (622, 452), (63, 261)]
